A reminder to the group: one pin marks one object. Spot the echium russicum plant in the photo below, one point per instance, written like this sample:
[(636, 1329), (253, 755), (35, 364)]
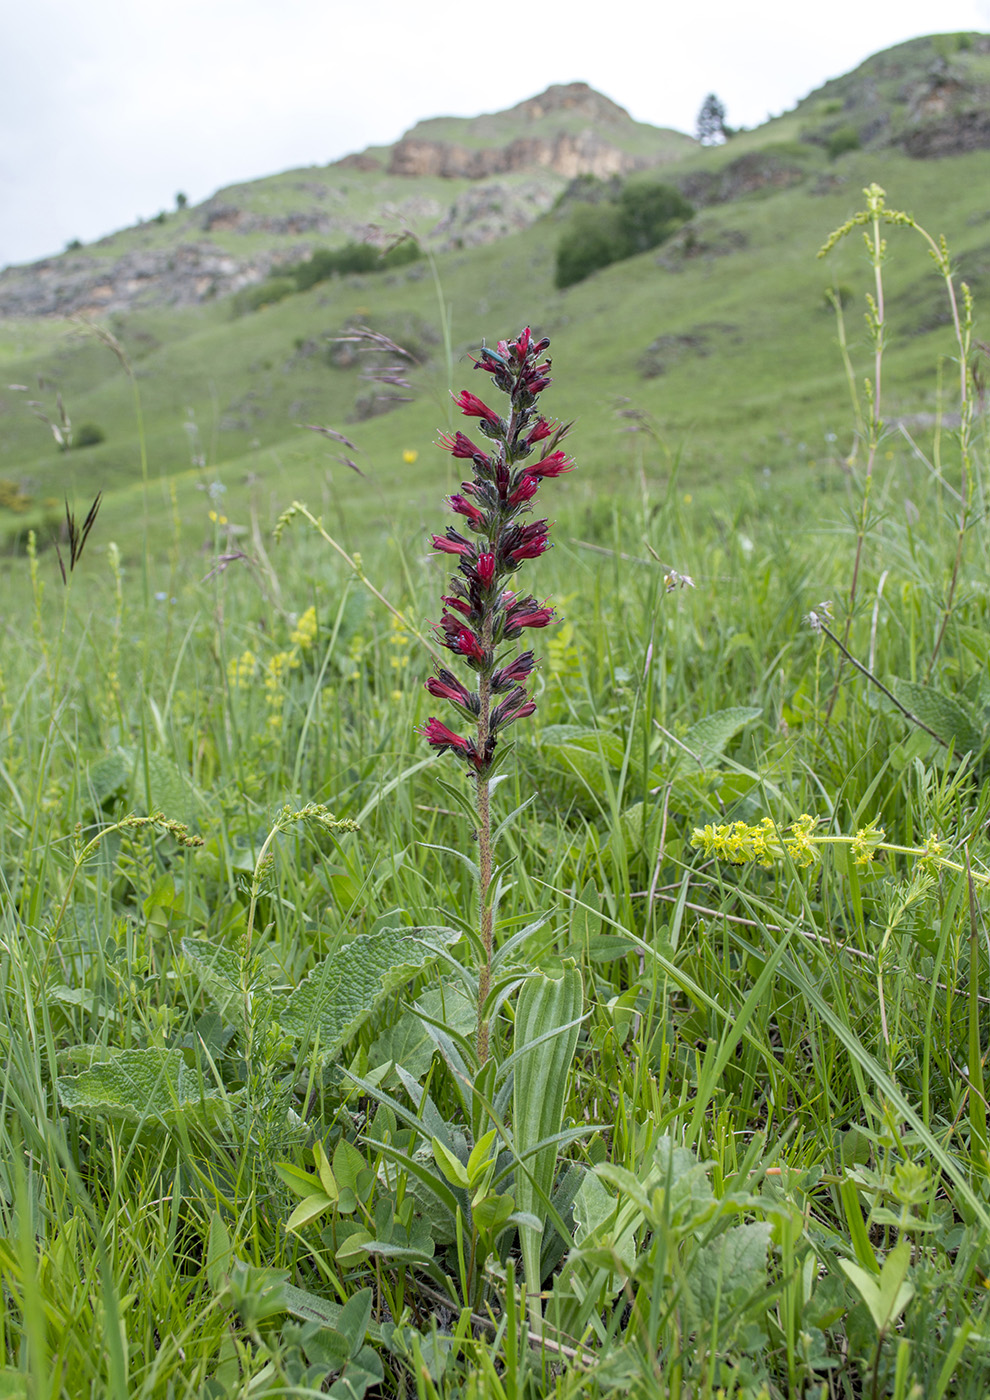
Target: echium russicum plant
[(483, 619)]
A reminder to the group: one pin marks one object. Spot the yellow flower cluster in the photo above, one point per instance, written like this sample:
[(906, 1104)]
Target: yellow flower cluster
[(399, 660), (277, 667), (740, 843), (241, 669), (865, 842), (305, 631)]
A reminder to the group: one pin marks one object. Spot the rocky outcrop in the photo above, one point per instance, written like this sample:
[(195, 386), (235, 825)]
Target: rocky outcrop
[(586, 153), (489, 212), (82, 285), (750, 174)]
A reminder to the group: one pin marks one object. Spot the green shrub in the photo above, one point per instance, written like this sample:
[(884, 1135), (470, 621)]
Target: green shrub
[(88, 435), (649, 214), (353, 257), (642, 217), (846, 138), (263, 294), (593, 240)]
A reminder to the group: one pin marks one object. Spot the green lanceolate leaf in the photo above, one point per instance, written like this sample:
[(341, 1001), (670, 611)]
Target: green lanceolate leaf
[(143, 1086), (548, 1013), (340, 994)]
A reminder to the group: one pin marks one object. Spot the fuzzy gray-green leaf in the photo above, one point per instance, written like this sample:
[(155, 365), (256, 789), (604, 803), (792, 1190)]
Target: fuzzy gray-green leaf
[(340, 994), (153, 1085)]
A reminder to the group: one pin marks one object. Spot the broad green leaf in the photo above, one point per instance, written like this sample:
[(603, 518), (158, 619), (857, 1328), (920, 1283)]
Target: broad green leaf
[(707, 738), (309, 1209), (165, 788), (451, 1168), (548, 1012), (339, 995), (143, 1086), (730, 1270), (302, 1183), (348, 1164), (219, 1252), (886, 1296), (409, 1042), (941, 713), (354, 1319), (110, 775)]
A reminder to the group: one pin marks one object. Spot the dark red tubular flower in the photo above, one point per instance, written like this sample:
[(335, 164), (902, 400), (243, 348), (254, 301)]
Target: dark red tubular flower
[(453, 543), (461, 446), (473, 407), (515, 673), (526, 542), (467, 508), (514, 706), (461, 605), (525, 491), (554, 465), (480, 613), (460, 640), (541, 430), (525, 612), (445, 686), (442, 738)]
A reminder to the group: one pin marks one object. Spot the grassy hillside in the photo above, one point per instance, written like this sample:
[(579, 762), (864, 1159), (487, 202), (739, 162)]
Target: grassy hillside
[(721, 343)]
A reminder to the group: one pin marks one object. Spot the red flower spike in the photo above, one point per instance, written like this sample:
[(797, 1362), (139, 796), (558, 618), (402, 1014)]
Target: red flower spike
[(479, 615), (473, 407)]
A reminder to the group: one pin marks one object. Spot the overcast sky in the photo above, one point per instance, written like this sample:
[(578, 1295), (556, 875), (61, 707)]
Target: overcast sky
[(108, 108)]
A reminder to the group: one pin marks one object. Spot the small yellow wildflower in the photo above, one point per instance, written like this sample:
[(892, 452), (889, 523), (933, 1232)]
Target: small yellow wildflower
[(865, 843), (276, 668), (305, 630), (241, 669), (398, 638), (218, 519), (800, 844), (410, 455)]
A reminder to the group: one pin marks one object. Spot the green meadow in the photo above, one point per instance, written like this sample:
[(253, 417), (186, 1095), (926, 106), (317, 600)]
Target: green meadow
[(730, 1134)]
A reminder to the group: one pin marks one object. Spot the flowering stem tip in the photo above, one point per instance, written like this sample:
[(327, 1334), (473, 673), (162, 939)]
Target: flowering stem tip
[(481, 614)]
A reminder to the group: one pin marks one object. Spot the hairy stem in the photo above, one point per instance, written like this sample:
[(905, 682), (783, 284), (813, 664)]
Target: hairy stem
[(484, 852)]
